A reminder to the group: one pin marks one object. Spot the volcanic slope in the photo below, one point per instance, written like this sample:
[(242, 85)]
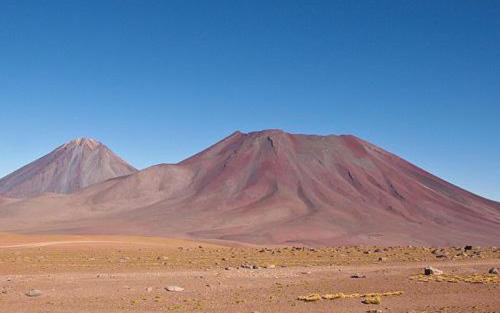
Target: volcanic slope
[(272, 187), (72, 166)]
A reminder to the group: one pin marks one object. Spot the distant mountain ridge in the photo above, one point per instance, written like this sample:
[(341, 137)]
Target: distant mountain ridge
[(70, 167), (272, 187)]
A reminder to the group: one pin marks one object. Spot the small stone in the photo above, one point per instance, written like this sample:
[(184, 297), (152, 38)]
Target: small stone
[(34, 293), (381, 259), (466, 248), (358, 275), (432, 271), (149, 289), (174, 288), (374, 311), (270, 266), (493, 270)]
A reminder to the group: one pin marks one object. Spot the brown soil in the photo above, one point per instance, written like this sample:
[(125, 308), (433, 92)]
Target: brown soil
[(113, 273)]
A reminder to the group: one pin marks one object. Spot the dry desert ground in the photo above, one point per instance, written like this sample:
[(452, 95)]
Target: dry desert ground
[(51, 273)]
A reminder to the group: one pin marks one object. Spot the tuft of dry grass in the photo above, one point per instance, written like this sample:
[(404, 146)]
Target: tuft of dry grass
[(372, 300), (448, 278), (340, 295), (310, 298)]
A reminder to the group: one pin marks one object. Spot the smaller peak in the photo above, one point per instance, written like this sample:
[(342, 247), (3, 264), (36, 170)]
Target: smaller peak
[(83, 141)]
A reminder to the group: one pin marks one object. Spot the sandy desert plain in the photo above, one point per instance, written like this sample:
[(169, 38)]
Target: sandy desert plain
[(70, 273)]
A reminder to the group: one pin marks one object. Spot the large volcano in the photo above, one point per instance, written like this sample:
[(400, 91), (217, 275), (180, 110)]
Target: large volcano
[(274, 187), (72, 166)]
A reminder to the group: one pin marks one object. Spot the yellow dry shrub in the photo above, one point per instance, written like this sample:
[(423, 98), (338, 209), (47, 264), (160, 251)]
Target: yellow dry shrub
[(372, 300), (310, 297), (341, 295), (471, 279)]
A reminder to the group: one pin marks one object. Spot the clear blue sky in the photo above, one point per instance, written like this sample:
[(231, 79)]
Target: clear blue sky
[(160, 80)]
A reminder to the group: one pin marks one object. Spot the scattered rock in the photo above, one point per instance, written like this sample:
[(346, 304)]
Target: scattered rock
[(149, 289), (358, 275), (271, 266), (374, 311), (493, 270), (250, 266), (174, 288), (466, 248), (381, 259), (34, 293), (432, 271)]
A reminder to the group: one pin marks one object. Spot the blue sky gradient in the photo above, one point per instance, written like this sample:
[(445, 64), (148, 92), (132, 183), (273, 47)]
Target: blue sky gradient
[(160, 80)]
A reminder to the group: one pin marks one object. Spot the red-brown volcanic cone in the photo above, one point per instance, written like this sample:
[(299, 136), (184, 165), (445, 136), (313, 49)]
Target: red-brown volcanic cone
[(70, 167), (274, 187)]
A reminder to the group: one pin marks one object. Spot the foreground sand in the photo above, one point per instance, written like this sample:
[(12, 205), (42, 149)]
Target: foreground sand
[(129, 274)]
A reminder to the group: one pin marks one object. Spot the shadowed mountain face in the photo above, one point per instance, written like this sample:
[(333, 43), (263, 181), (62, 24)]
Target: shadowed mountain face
[(77, 164), (271, 187)]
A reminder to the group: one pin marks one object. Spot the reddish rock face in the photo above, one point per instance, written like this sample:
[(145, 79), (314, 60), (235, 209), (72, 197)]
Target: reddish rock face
[(77, 164), (272, 187)]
